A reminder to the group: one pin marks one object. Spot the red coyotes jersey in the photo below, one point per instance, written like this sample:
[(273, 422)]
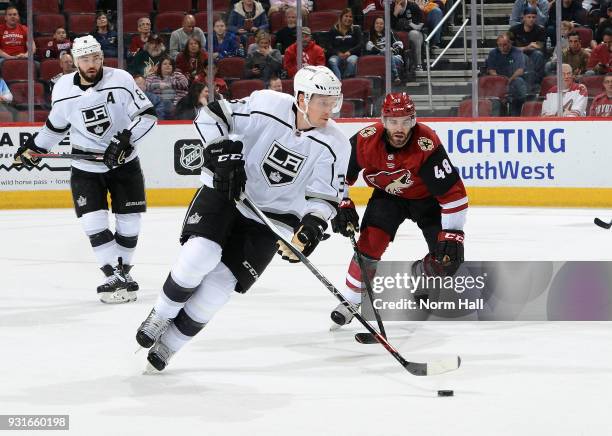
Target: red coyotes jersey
[(418, 170), (602, 106)]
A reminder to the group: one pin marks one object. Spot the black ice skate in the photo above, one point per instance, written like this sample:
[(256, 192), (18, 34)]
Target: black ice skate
[(159, 356), (114, 290), (342, 316), (151, 329), (132, 285)]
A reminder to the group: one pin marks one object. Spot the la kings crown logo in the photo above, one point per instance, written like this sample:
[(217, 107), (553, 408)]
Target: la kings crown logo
[(281, 166), (97, 120)]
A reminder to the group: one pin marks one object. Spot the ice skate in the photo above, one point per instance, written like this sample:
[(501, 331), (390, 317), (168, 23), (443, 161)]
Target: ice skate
[(132, 285), (151, 329), (114, 290), (342, 316), (159, 355)]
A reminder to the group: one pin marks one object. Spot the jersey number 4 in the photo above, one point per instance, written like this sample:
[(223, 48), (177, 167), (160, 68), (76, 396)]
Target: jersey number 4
[(441, 173)]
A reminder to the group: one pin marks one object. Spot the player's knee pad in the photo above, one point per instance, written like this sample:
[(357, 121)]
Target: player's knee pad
[(187, 325), (127, 224), (197, 257), (214, 292), (94, 222), (373, 242)]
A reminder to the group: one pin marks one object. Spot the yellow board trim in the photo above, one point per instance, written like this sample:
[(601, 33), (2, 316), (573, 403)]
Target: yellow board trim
[(502, 196)]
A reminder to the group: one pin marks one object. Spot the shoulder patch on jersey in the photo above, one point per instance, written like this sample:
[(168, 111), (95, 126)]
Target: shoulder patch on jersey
[(367, 132), (425, 143)]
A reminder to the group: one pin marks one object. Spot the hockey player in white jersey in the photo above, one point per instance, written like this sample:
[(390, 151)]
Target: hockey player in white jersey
[(291, 161), (105, 112)]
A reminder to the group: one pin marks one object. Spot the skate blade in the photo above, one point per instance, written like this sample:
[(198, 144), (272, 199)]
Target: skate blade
[(119, 297), (138, 349), (150, 370), (334, 327)]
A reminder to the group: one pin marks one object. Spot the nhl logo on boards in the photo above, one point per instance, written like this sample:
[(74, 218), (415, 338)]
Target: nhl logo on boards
[(188, 156), (281, 166), (194, 219), (97, 120), (426, 144), (81, 201)]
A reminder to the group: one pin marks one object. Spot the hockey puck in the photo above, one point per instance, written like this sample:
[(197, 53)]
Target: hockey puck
[(446, 393)]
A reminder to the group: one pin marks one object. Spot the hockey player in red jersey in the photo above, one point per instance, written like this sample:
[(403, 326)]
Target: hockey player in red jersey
[(413, 178)]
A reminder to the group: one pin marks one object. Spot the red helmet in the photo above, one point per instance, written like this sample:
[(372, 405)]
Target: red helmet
[(398, 104)]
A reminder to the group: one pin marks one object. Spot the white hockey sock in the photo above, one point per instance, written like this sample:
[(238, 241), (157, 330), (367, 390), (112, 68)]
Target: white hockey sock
[(95, 225), (167, 308), (214, 292), (174, 339), (127, 228)]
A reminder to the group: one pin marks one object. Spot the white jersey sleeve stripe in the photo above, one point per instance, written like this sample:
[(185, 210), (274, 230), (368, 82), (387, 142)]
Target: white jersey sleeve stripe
[(454, 204)]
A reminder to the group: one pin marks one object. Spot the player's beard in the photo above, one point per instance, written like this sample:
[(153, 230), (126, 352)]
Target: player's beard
[(398, 139), (89, 76)]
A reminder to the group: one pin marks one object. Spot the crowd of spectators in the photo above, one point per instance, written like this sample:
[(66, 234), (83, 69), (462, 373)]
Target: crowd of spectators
[(172, 64)]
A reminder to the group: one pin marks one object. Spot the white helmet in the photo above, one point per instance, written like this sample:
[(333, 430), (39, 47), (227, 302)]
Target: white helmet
[(84, 46), (318, 79)]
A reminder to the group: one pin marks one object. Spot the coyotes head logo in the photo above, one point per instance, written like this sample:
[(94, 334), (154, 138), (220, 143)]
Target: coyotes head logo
[(392, 182)]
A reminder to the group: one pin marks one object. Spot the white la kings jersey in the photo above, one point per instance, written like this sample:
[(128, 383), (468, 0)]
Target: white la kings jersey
[(290, 173), (93, 116)]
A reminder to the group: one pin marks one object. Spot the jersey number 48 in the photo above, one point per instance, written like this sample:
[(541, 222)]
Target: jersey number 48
[(447, 168)]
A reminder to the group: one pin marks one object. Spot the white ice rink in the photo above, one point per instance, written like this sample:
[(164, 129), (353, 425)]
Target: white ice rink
[(267, 364)]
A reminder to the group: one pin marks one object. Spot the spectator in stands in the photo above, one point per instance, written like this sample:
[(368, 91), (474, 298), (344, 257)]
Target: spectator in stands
[(518, 10), (530, 38), (66, 64), (275, 84), (602, 104), (604, 24), (221, 87), (6, 98), (264, 62), (13, 37), (283, 5), (105, 35), (188, 106), (59, 45), (345, 45), (571, 10), (575, 97), (312, 54), (574, 55), (169, 84), (138, 41), (179, 38), (376, 46), (153, 98), (600, 61), (509, 61), (248, 16), (147, 60), (287, 35), (192, 59), (407, 17), (433, 15), (224, 42)]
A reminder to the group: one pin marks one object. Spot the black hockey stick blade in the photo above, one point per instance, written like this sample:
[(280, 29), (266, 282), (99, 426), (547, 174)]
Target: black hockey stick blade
[(415, 368), (94, 157), (366, 338), (602, 224)]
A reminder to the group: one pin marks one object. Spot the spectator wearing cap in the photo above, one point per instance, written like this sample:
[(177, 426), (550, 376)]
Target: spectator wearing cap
[(518, 10), (574, 99), (600, 61), (224, 42), (574, 55), (407, 16), (602, 103), (59, 45), (105, 35), (287, 35), (312, 54), (13, 37), (138, 41), (530, 38), (248, 16), (345, 45), (179, 38), (506, 60), (146, 60), (264, 62)]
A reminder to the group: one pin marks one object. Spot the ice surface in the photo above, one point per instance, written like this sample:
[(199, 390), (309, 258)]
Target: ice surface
[(268, 365)]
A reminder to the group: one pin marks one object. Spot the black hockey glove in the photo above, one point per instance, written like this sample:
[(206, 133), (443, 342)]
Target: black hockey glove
[(118, 149), (449, 250), (226, 161), (346, 220), (23, 154), (310, 232)]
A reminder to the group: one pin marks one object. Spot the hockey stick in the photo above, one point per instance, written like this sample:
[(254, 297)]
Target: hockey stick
[(93, 157), (415, 368), (602, 224), (366, 338)]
